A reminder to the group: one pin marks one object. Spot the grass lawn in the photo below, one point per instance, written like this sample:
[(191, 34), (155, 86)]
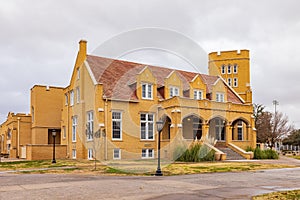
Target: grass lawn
[(87, 167), (293, 194), (295, 157)]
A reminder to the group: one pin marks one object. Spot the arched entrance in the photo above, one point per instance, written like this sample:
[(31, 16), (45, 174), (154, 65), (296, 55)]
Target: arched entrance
[(192, 127), (166, 131), (217, 128)]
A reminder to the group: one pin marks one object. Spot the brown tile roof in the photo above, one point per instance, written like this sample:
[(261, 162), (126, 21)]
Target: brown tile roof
[(119, 77)]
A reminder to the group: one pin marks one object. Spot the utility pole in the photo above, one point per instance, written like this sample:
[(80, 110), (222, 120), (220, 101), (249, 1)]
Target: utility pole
[(275, 103)]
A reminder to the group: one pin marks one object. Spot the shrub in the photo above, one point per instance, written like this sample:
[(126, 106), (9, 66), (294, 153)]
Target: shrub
[(197, 153), (249, 149), (265, 154)]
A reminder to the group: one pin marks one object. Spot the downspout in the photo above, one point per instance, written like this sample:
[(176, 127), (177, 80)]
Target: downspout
[(106, 127), (18, 138), (68, 128)]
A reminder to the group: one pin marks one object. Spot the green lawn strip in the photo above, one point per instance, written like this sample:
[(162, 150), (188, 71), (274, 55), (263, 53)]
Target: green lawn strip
[(177, 168), (291, 194)]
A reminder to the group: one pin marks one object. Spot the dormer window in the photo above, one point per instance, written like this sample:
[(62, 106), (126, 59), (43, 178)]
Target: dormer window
[(220, 97), (147, 91), (174, 91), (198, 94)]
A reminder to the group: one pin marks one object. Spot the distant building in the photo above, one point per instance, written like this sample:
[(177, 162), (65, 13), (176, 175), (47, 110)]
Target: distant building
[(110, 107)]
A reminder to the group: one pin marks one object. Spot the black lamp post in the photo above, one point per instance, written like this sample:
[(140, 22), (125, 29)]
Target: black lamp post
[(53, 135), (159, 125)]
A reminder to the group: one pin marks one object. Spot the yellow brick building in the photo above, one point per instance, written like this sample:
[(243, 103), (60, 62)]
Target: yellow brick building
[(111, 106)]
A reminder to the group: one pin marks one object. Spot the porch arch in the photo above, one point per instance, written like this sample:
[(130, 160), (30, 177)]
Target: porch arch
[(239, 129), (217, 128), (192, 127)]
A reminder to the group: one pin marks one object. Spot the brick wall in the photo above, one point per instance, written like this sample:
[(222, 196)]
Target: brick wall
[(45, 152)]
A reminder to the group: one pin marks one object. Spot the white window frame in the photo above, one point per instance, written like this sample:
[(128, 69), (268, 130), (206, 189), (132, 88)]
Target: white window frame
[(71, 97), (78, 73), (66, 99), (147, 153), (147, 91), (229, 69), (116, 120), (64, 132), (174, 91), (198, 94), (74, 128), (235, 82), (240, 127), (77, 95), (235, 68), (74, 153), (148, 124), (116, 154), (220, 97), (223, 69), (229, 81), (90, 125), (90, 154)]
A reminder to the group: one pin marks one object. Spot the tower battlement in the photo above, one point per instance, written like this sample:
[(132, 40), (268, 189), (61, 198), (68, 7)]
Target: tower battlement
[(228, 55)]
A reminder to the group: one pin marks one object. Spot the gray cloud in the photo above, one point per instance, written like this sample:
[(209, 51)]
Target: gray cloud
[(39, 41)]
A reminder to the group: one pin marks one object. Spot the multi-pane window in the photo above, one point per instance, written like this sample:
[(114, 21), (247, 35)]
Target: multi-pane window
[(220, 97), (77, 95), (235, 82), (240, 129), (147, 91), (174, 91), (71, 98), (74, 153), (197, 128), (198, 94), (90, 154), (74, 128), (147, 153), (117, 125), (147, 126), (66, 99), (117, 154), (90, 125), (223, 69), (229, 81), (219, 128), (235, 69), (229, 69)]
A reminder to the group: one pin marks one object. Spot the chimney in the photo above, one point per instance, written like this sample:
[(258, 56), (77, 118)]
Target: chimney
[(82, 47)]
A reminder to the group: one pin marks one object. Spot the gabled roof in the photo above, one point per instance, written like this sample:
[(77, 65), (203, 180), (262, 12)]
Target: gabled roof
[(118, 77)]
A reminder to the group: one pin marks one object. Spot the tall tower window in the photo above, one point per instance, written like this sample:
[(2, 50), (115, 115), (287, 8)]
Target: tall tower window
[(235, 82), (223, 69), (229, 69), (235, 68), (229, 81)]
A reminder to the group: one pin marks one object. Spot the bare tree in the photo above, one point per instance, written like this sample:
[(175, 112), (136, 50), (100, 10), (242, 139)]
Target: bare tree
[(272, 127)]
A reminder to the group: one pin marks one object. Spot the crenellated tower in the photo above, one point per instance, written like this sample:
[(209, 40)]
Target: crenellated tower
[(234, 68)]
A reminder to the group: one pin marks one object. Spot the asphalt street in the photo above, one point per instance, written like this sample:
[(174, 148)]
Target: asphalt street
[(238, 185)]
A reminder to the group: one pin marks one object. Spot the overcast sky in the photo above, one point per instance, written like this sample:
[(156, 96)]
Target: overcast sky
[(39, 41)]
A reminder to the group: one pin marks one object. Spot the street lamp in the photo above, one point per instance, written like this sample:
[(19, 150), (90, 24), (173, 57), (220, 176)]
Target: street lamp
[(53, 135), (159, 125)]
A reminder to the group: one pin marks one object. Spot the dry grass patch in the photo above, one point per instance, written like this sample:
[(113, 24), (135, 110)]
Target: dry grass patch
[(292, 194), (209, 167)]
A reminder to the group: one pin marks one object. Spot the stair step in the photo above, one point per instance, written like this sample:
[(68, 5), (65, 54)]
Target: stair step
[(231, 155)]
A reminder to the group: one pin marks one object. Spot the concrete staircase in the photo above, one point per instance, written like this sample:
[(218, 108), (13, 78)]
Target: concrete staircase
[(231, 155)]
